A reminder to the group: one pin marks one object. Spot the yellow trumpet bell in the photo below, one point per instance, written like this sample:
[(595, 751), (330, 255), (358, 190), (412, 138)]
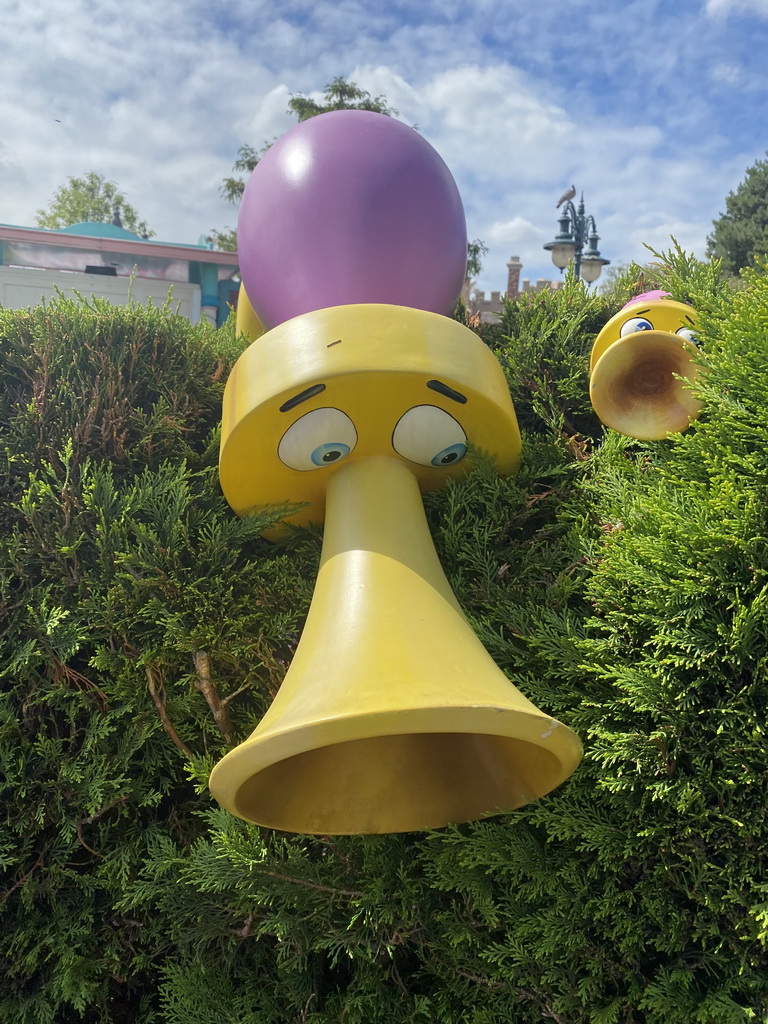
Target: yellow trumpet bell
[(635, 366), (392, 716), (635, 386)]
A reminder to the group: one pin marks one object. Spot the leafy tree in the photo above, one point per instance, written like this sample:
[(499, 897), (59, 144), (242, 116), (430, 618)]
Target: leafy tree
[(741, 233), (144, 628), (475, 252), (339, 95), (224, 240), (247, 157), (90, 198)]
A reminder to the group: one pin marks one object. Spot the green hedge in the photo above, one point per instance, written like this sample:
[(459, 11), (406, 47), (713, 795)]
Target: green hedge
[(622, 585)]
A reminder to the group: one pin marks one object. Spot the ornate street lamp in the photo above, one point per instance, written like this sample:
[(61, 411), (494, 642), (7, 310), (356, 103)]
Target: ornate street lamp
[(577, 230)]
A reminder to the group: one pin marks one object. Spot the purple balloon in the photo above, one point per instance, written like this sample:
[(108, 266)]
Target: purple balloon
[(350, 207)]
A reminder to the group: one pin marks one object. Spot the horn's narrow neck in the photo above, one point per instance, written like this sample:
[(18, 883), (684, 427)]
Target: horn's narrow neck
[(374, 509)]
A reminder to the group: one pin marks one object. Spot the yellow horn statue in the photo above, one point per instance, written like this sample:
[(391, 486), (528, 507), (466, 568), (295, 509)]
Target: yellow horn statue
[(392, 716), (636, 363)]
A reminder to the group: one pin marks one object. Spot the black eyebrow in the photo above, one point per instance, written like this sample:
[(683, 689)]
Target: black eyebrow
[(443, 389), (689, 320), (637, 312), (302, 396)]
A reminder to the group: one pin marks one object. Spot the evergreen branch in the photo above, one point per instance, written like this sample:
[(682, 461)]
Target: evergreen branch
[(205, 685), (491, 983), (231, 696), (352, 893), (157, 692), (398, 980), (546, 1008), (23, 880), (481, 979), (336, 850), (59, 672), (94, 817), (90, 849), (247, 930)]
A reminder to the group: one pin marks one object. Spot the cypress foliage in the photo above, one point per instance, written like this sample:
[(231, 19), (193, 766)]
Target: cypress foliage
[(623, 586)]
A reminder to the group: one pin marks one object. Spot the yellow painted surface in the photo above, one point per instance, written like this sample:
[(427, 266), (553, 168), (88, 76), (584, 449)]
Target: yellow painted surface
[(634, 380), (665, 314), (392, 716), (371, 363), (246, 321)]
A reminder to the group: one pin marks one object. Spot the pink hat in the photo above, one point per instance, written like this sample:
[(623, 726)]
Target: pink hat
[(647, 297)]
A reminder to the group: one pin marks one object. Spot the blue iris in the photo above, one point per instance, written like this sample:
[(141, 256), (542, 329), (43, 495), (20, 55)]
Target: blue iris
[(330, 452), (446, 457)]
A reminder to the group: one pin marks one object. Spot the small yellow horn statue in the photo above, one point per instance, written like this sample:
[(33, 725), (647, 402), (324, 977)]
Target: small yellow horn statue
[(392, 716), (635, 366)]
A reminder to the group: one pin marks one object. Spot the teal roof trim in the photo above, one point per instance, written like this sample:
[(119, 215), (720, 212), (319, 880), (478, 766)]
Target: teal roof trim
[(96, 229)]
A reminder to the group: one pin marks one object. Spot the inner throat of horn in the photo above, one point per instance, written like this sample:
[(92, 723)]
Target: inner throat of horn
[(651, 378)]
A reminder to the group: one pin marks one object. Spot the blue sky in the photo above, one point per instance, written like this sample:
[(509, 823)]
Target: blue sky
[(653, 109)]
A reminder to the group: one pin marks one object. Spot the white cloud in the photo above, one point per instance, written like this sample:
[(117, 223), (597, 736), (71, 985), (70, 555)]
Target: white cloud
[(494, 118), (385, 81), (722, 8), (142, 99), (158, 97), (268, 119), (728, 73), (515, 234)]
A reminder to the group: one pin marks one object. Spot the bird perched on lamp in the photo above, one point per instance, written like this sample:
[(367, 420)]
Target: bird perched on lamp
[(566, 196)]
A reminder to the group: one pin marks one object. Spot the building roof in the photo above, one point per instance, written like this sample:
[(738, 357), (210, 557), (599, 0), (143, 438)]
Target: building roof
[(95, 228), (82, 247)]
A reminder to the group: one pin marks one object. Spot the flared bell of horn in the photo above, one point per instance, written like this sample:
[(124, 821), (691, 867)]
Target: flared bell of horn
[(634, 385), (392, 716)]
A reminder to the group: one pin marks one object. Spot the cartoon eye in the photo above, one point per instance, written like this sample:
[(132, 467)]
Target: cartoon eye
[(689, 334), (637, 323), (320, 438), (429, 436)]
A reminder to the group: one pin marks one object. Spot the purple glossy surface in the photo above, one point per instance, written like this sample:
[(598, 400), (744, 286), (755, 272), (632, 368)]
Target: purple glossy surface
[(351, 207)]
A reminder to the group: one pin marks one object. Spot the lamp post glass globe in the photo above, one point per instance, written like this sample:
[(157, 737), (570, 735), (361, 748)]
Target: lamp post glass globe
[(562, 253), (591, 268)]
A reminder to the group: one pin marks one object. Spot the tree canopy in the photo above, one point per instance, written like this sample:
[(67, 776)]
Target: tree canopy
[(741, 233), (475, 252), (339, 95), (93, 198)]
